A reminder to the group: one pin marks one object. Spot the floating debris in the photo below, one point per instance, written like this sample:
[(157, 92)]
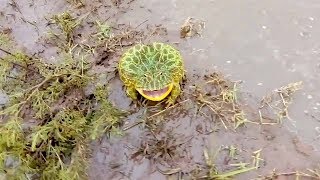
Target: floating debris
[(191, 27), (218, 97), (280, 99)]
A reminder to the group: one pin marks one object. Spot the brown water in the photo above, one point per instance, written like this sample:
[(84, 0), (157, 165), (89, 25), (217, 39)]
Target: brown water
[(267, 44)]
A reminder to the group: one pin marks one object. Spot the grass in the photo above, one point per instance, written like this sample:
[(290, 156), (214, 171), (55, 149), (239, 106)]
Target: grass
[(62, 29), (104, 31), (211, 171), (49, 119), (308, 173), (113, 41), (77, 3), (4, 40), (219, 96)]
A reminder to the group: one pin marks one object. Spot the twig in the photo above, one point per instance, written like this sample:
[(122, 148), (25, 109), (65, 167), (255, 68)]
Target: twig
[(132, 125), (141, 24), (169, 172), (5, 51)]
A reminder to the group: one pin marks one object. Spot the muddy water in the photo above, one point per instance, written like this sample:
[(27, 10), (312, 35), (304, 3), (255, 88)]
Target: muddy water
[(261, 43), (267, 44)]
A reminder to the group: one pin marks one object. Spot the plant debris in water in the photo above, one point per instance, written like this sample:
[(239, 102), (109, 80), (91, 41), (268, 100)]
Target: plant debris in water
[(49, 119), (77, 3), (279, 100), (162, 147), (308, 173), (219, 96), (191, 27), (113, 41), (210, 170)]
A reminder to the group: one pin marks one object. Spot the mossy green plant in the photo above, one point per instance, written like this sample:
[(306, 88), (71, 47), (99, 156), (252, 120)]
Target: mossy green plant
[(104, 31), (4, 40), (50, 117), (62, 29), (53, 146)]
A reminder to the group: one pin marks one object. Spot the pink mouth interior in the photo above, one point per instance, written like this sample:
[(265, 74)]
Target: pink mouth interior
[(156, 93)]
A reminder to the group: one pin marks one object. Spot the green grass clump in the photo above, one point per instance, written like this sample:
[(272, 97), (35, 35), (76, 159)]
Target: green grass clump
[(64, 118), (66, 23), (104, 31), (62, 30), (50, 117), (4, 40)]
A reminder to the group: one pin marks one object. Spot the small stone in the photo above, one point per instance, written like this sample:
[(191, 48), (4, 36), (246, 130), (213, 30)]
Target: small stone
[(311, 18), (228, 62), (315, 108), (260, 84), (306, 111), (309, 96), (264, 27), (318, 104)]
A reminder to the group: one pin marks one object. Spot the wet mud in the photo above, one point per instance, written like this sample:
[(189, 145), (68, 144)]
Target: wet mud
[(265, 44)]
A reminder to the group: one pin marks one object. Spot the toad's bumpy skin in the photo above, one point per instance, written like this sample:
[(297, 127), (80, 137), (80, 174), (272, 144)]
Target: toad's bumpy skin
[(155, 71)]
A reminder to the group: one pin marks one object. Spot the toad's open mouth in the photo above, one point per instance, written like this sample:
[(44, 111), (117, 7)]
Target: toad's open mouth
[(156, 95)]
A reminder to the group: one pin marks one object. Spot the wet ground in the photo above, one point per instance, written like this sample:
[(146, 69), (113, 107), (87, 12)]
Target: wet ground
[(266, 44)]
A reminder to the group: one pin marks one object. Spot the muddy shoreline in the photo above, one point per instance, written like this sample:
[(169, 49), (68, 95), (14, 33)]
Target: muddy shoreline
[(261, 46)]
